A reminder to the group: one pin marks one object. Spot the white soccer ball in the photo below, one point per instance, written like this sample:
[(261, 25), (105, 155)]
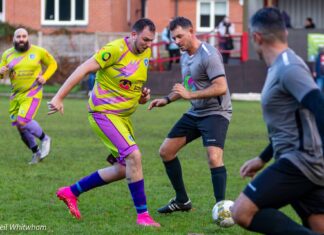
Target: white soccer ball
[(222, 214)]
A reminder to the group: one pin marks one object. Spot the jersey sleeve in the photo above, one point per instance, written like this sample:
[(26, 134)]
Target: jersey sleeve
[(107, 55), (214, 66), (298, 81), (3, 62), (50, 62)]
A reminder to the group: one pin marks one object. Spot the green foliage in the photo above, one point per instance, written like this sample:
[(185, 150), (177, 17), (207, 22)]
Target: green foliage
[(28, 192), (7, 30)]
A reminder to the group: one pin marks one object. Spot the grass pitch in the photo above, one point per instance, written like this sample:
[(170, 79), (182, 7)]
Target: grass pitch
[(28, 192)]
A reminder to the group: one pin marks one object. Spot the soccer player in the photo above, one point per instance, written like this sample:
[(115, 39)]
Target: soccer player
[(205, 85), (121, 68), (24, 63), (293, 109)]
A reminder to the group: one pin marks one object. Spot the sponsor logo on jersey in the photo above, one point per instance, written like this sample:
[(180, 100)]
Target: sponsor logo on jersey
[(32, 56), (125, 84), (189, 83), (146, 62), (131, 138), (105, 56)]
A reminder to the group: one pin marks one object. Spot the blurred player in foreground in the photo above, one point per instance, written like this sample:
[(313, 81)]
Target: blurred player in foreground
[(293, 109)]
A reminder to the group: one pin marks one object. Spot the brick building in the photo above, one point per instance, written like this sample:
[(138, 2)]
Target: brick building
[(116, 15)]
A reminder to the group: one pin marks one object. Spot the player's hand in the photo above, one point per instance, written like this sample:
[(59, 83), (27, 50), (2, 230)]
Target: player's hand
[(146, 95), (40, 80), (157, 103), (182, 91), (251, 167), (4, 69), (55, 105)]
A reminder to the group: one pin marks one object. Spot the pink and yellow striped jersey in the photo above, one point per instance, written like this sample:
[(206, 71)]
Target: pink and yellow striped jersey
[(120, 79), (25, 67)]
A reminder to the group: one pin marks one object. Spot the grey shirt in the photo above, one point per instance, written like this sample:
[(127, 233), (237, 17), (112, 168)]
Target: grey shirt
[(198, 72), (291, 127)]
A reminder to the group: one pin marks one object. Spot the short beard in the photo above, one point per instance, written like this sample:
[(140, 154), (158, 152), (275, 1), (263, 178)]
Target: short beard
[(22, 48)]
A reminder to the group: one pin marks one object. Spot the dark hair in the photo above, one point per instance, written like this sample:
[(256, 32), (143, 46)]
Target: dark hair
[(180, 21), (270, 23), (139, 25)]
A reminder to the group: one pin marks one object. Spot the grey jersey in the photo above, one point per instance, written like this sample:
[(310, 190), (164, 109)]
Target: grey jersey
[(198, 72), (291, 127)]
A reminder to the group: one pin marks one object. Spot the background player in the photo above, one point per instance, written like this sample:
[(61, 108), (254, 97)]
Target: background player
[(293, 109), (121, 68), (205, 85), (24, 62)]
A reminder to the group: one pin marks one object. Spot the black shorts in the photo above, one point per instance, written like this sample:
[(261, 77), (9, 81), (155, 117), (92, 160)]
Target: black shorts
[(283, 183), (212, 128)]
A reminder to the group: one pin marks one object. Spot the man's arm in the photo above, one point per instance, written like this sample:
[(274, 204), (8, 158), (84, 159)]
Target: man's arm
[(164, 101), (267, 153), (314, 101), (3, 66), (217, 88), (56, 104), (51, 66), (301, 85)]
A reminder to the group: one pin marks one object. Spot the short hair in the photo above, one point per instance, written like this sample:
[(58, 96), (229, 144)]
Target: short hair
[(270, 23), (180, 21), (139, 25), (310, 19)]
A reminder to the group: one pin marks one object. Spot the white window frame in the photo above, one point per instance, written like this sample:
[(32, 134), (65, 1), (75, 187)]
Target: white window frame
[(56, 20), (2, 14), (212, 13)]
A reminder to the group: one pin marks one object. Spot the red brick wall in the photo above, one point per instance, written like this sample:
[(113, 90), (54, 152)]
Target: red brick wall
[(160, 11), (23, 12), (188, 8), (104, 15), (236, 15), (111, 15)]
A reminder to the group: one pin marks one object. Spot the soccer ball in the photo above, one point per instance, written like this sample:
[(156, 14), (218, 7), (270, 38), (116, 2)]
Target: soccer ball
[(222, 215)]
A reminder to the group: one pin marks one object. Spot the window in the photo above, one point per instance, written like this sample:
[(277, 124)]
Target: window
[(205, 14), (65, 12), (210, 14), (220, 12), (2, 10)]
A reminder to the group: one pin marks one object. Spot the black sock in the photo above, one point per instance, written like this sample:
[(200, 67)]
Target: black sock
[(42, 136), (271, 221), (219, 176), (173, 169), (35, 149)]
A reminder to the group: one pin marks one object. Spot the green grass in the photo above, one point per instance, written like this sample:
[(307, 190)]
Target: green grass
[(28, 192)]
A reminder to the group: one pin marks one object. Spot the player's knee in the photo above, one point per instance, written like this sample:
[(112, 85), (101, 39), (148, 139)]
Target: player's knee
[(241, 215), (120, 170), (216, 161), (315, 223), (135, 157), (20, 125), (164, 153)]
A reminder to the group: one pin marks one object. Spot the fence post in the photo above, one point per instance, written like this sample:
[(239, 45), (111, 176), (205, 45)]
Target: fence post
[(39, 38), (244, 47)]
